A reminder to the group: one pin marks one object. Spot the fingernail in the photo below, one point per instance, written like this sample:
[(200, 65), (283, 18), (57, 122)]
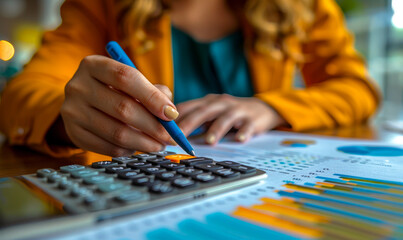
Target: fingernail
[(242, 138), (210, 139), (170, 112)]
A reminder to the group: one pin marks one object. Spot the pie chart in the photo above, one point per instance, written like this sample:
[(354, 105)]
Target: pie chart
[(373, 151)]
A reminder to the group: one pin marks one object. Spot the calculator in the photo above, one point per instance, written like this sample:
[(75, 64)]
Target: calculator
[(75, 195)]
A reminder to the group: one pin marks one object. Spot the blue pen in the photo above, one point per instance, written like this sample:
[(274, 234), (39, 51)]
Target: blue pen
[(117, 53)]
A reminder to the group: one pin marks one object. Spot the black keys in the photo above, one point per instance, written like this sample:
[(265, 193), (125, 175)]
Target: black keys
[(158, 161), (227, 163), (129, 175), (208, 167), (116, 169), (195, 161), (244, 169), (189, 171), (206, 178), (123, 160), (183, 183), (160, 188), (152, 170), (226, 173), (138, 165), (103, 164), (172, 166), (163, 153), (168, 176), (145, 156)]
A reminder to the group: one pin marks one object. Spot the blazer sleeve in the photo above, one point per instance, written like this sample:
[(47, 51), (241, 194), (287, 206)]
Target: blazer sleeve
[(31, 101), (338, 89)]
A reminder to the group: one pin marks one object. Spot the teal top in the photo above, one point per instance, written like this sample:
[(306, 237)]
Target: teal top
[(213, 67)]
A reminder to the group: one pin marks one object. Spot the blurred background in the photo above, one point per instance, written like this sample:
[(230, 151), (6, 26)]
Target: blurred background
[(376, 24)]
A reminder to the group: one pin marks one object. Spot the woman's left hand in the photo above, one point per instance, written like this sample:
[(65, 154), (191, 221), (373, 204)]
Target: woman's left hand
[(249, 115)]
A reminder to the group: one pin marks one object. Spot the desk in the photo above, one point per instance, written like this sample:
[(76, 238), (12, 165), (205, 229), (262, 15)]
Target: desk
[(20, 160)]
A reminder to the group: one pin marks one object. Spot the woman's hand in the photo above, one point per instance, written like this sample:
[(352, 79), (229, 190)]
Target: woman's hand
[(249, 115), (110, 108)]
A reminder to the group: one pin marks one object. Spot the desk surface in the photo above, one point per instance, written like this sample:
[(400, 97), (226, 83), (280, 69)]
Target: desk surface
[(20, 160)]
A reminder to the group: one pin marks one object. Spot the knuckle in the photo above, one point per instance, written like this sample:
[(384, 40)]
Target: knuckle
[(153, 98), (121, 74), (226, 97), (86, 61), (124, 109), (119, 135), (71, 88)]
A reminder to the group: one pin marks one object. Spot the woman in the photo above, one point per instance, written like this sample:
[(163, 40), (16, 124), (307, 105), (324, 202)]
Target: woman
[(71, 95)]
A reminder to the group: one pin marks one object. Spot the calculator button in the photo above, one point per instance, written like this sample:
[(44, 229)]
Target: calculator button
[(66, 184), (158, 161), (116, 169), (129, 175), (79, 192), (97, 179), (160, 188), (205, 177), (183, 183), (55, 178), (163, 153), (195, 161), (71, 168), (226, 173), (103, 164), (145, 156), (44, 172), (152, 170), (189, 171), (94, 202), (244, 169), (111, 187), (143, 181), (168, 176), (123, 160), (228, 163), (172, 166), (208, 167), (132, 196), (84, 173), (178, 157), (138, 165)]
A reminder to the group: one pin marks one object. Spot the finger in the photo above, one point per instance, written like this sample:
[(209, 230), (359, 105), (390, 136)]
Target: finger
[(245, 132), (165, 90), (200, 115), (222, 125), (89, 141), (130, 81), (127, 110), (189, 106), (118, 133)]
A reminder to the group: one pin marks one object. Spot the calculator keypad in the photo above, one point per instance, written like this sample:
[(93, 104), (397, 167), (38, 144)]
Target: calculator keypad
[(141, 178)]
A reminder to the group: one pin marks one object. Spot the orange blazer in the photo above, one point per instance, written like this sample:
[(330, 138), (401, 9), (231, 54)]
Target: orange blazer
[(338, 91)]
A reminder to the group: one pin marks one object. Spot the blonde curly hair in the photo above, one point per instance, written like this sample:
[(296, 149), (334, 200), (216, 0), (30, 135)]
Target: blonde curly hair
[(277, 25)]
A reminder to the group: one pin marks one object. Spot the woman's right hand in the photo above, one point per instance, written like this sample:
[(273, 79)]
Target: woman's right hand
[(110, 108)]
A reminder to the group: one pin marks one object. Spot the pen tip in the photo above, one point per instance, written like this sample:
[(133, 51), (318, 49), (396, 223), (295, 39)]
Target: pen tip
[(193, 153)]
